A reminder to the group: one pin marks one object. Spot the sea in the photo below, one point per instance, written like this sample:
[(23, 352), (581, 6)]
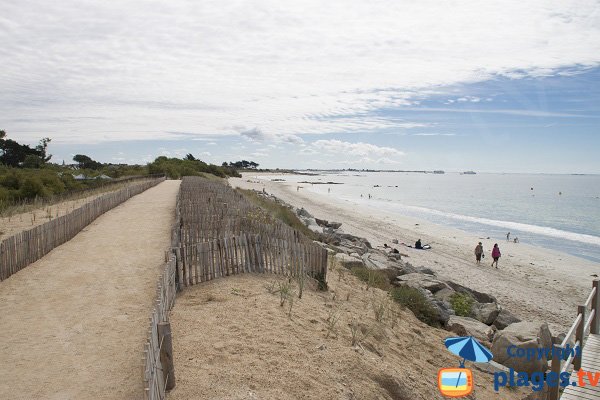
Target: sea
[(559, 212)]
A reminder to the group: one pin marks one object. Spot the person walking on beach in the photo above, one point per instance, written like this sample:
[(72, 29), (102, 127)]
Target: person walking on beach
[(478, 253), (495, 254), (508, 236)]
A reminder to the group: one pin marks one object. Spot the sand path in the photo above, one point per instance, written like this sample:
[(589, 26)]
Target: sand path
[(532, 282), (73, 323)]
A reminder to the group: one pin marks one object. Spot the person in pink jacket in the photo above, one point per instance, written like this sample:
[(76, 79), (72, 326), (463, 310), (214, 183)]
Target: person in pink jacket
[(495, 254)]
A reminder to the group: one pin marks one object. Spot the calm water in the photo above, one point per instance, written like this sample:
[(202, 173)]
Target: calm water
[(560, 212)]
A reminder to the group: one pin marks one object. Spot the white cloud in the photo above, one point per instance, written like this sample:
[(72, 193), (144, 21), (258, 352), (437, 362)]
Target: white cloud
[(365, 151), (132, 70)]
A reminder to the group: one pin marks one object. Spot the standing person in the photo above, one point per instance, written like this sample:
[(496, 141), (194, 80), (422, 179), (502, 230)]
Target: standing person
[(478, 253), (495, 254), (508, 236)]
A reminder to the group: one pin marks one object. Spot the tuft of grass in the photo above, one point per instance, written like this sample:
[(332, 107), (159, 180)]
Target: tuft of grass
[(279, 212), (331, 322), (373, 277), (380, 308), (416, 302), (462, 304), (358, 332), (286, 291)]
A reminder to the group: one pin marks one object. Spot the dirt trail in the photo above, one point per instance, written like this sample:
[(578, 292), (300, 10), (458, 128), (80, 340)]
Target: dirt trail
[(72, 324)]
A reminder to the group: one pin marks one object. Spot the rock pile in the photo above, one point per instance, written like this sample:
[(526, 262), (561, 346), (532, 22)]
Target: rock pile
[(480, 314)]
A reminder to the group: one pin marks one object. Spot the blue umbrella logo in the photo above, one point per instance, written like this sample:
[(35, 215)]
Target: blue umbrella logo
[(468, 348)]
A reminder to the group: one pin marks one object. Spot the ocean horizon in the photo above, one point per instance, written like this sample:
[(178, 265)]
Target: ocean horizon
[(555, 211)]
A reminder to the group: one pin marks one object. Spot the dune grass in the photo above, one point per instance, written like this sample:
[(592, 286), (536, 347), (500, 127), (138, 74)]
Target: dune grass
[(278, 211)]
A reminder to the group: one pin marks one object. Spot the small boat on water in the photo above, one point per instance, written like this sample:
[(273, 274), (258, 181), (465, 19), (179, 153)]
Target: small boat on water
[(469, 173)]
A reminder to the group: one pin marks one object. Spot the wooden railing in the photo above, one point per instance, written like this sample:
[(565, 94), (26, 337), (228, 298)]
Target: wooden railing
[(587, 320), (24, 248)]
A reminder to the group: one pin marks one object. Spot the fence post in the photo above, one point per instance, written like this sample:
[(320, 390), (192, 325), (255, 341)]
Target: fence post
[(556, 366), (595, 329), (166, 354), (579, 337)]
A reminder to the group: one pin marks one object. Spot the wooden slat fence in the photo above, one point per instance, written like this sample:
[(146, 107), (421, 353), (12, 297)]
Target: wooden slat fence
[(219, 233), (153, 378), (24, 248)]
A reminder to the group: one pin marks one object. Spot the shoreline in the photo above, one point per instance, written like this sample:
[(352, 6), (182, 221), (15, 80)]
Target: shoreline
[(534, 283)]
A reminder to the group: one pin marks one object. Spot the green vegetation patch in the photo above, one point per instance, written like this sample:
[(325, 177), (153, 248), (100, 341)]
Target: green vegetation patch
[(416, 302), (175, 168), (462, 304)]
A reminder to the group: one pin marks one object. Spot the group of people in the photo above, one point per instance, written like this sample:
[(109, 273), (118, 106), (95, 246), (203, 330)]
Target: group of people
[(495, 254)]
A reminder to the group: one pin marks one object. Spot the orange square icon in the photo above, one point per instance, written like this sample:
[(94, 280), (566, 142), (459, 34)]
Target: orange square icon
[(455, 382)]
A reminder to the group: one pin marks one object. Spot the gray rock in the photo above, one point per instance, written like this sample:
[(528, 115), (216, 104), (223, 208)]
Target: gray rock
[(505, 340), (335, 225), (425, 270), (315, 228), (485, 312), (504, 319), (526, 331), (322, 222), (406, 268), (377, 260), (479, 296), (465, 326), (444, 294), (348, 261), (422, 281), (303, 213), (395, 241)]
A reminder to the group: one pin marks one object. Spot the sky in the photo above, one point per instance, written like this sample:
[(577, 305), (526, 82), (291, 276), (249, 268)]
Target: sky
[(494, 86)]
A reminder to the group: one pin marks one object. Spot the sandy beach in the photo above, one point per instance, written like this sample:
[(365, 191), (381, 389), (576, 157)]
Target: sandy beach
[(534, 283)]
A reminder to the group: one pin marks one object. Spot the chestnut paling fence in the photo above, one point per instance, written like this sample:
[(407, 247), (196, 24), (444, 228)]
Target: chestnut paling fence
[(24, 248), (218, 233)]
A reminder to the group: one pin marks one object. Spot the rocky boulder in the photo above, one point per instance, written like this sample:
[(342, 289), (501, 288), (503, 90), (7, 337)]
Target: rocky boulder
[(531, 330), (347, 261), (465, 326), (420, 281), (504, 319), (376, 260), (303, 213), (479, 296), (485, 312), (522, 336)]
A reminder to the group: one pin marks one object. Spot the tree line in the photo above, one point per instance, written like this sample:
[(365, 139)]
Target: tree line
[(26, 172)]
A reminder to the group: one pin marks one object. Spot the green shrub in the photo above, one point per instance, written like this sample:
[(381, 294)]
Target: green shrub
[(373, 277), (462, 304), (416, 302)]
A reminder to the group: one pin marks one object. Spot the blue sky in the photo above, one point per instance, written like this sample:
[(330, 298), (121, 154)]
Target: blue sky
[(505, 86)]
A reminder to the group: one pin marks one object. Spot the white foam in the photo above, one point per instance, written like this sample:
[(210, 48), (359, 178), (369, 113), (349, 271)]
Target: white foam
[(540, 230)]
